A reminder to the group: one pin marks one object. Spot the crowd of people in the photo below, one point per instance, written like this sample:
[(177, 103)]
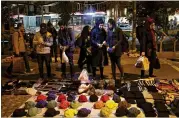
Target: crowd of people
[(95, 44)]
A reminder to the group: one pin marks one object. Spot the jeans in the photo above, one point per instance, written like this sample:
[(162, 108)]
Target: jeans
[(41, 58), (116, 60), (25, 57), (53, 51), (63, 65)]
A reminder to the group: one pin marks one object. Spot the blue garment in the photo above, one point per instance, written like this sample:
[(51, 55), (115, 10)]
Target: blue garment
[(110, 39)]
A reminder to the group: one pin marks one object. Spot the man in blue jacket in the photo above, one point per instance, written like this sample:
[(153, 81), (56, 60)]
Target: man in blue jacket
[(114, 44)]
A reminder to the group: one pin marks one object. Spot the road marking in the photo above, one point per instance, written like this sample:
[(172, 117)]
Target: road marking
[(167, 62)]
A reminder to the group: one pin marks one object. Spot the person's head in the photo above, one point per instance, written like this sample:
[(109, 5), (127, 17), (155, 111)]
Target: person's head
[(86, 31), (43, 28), (21, 27), (61, 25), (150, 24), (100, 24), (49, 25), (111, 24)]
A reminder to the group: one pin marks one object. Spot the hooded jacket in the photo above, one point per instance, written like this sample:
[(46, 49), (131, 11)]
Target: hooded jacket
[(97, 36)]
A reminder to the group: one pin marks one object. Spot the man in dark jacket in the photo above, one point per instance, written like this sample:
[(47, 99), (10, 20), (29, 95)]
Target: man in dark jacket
[(53, 48), (98, 36), (66, 40), (114, 40)]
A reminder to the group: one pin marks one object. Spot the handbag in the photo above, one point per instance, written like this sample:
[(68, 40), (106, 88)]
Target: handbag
[(18, 65), (157, 64)]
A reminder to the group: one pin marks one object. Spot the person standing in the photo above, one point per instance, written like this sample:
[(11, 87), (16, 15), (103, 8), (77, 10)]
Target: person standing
[(53, 48), (66, 40), (114, 48), (19, 49), (149, 45), (85, 52), (43, 41), (98, 36)]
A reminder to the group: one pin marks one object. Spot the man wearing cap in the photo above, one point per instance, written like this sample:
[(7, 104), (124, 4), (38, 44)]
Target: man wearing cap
[(43, 40), (66, 40), (98, 36)]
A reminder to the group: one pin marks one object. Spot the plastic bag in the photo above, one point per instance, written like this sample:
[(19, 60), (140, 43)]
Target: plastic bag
[(84, 75), (65, 58), (145, 64), (142, 63), (139, 62)]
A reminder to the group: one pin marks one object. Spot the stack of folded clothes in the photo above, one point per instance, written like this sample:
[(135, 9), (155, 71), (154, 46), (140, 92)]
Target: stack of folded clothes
[(139, 97), (129, 96), (162, 110), (148, 109), (134, 86)]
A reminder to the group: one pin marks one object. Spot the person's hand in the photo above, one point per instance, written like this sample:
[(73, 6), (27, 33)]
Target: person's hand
[(143, 53), (99, 45), (104, 43), (107, 48), (113, 47), (61, 47), (17, 54)]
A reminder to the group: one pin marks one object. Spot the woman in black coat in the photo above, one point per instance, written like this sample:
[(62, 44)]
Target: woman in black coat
[(98, 37), (85, 53), (149, 46)]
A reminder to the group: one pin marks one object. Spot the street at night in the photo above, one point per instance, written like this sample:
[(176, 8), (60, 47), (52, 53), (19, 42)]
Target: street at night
[(89, 59)]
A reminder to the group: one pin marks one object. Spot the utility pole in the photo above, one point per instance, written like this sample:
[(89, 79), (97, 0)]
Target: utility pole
[(134, 26)]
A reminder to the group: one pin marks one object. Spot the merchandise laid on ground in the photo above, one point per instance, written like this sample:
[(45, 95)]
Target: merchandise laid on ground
[(140, 98)]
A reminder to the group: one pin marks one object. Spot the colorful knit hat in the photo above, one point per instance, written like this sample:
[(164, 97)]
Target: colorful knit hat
[(82, 98), (93, 98), (41, 97), (83, 112), (61, 98), (70, 113), (64, 104), (105, 112), (52, 104), (75, 104), (51, 96), (51, 112), (104, 98), (111, 104), (99, 105), (41, 104), (116, 98), (29, 104)]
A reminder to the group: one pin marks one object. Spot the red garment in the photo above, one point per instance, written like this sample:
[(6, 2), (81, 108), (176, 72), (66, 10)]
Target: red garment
[(82, 98), (61, 98), (104, 98), (154, 41), (41, 97)]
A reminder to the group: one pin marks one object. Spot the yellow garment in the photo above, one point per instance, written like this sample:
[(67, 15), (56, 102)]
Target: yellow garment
[(145, 63), (111, 104), (105, 112), (70, 113)]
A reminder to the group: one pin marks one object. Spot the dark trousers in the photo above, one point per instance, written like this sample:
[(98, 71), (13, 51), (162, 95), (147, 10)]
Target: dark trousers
[(84, 59), (53, 51), (63, 65), (25, 57), (41, 58), (116, 60), (152, 59)]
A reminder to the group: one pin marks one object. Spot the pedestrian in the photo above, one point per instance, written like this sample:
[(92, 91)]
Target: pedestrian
[(66, 40), (149, 45), (85, 51), (43, 41), (19, 48), (114, 43), (53, 48), (98, 36)]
